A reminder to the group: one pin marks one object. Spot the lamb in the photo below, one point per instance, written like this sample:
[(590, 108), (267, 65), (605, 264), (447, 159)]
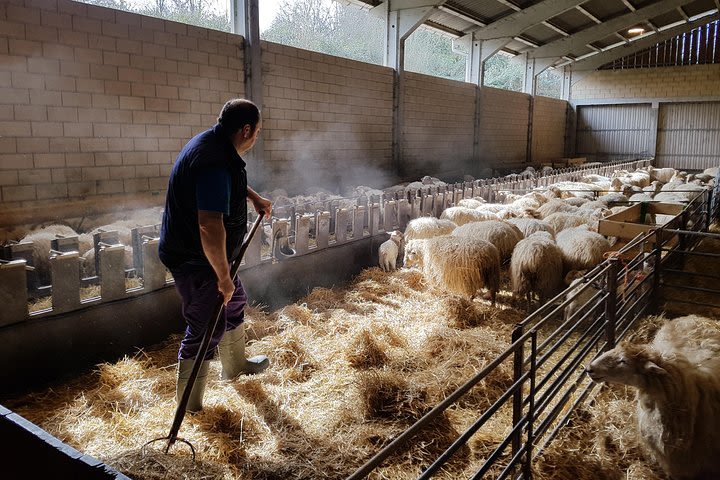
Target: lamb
[(389, 251), (427, 227), (462, 215), (581, 248), (677, 377), (536, 267), (458, 265), (500, 233)]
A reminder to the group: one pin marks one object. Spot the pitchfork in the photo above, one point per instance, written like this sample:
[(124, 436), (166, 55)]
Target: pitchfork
[(181, 409)]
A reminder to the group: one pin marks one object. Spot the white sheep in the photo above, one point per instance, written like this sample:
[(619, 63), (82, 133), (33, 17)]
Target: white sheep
[(560, 221), (528, 226), (677, 377), (536, 267), (474, 202), (458, 265), (581, 248), (498, 232), (663, 175), (389, 251), (427, 227), (554, 206), (463, 215)]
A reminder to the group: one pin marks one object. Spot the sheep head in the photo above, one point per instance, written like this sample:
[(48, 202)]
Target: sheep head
[(413, 254), (626, 364)]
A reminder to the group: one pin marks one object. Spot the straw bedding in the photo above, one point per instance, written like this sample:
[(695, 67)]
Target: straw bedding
[(351, 369)]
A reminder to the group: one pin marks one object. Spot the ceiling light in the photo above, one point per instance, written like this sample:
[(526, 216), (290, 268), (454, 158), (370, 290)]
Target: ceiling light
[(636, 31)]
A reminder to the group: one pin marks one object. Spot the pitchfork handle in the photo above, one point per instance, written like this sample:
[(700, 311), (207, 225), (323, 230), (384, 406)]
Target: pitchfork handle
[(205, 342)]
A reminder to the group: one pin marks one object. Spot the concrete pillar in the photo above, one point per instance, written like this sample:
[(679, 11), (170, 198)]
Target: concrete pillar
[(13, 292), (65, 273)]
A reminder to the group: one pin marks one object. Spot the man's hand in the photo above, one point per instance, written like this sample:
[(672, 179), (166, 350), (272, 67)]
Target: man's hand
[(261, 204), (226, 287)]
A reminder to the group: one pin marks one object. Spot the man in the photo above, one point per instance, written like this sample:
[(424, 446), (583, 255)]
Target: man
[(205, 219)]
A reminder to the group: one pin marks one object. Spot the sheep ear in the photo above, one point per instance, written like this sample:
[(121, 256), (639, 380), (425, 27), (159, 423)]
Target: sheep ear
[(651, 367)]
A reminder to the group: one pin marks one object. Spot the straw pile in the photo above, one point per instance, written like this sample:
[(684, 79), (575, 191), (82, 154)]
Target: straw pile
[(351, 369)]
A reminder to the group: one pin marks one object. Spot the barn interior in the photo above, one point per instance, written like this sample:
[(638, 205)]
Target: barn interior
[(375, 372)]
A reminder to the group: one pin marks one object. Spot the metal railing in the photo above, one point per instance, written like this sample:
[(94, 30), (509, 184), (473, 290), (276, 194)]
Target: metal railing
[(548, 350)]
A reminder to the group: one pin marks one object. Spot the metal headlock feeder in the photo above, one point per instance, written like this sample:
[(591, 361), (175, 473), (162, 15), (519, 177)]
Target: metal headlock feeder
[(181, 409)]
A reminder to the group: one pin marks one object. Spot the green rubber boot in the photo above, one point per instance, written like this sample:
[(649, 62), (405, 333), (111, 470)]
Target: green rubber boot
[(183, 374), (231, 351)]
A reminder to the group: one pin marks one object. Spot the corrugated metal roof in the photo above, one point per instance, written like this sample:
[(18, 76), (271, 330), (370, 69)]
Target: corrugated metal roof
[(698, 7), (572, 21), (455, 17), (604, 9)]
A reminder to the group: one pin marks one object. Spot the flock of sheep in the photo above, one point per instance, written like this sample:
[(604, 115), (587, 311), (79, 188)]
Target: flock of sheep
[(547, 236)]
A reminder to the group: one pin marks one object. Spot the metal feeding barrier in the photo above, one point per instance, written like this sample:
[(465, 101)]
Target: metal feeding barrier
[(549, 348), (296, 230)]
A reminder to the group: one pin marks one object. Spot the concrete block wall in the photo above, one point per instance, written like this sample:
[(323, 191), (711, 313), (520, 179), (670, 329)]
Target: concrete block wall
[(95, 103), (503, 128), (665, 82), (548, 129), (327, 120), (439, 126)]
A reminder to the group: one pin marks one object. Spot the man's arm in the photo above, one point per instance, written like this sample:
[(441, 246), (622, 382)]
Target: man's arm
[(212, 236), (261, 204)]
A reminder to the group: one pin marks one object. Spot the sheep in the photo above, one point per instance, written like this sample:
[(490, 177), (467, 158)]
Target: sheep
[(576, 201), (536, 267), (581, 248), (560, 221), (580, 296), (640, 197), (41, 241), (528, 226), (427, 227), (87, 262), (501, 234), (663, 175), (677, 377), (389, 251), (471, 202), (612, 197), (554, 206), (458, 265), (462, 215)]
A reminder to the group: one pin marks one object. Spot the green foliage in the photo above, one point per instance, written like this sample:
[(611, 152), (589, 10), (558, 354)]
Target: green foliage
[(333, 29), (431, 53), (549, 83), (502, 72), (203, 13), (346, 31)]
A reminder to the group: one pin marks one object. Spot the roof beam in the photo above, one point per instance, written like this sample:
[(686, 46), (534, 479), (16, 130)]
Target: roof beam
[(588, 14), (682, 12), (565, 45), (462, 16), (514, 24), (629, 5), (595, 61)]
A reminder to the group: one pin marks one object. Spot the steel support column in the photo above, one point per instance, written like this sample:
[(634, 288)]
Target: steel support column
[(244, 15), (402, 17)]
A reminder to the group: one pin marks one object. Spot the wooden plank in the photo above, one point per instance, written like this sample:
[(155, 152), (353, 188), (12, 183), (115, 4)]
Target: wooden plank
[(666, 208)]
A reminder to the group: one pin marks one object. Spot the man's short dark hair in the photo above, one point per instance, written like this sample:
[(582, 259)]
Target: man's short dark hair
[(237, 113)]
